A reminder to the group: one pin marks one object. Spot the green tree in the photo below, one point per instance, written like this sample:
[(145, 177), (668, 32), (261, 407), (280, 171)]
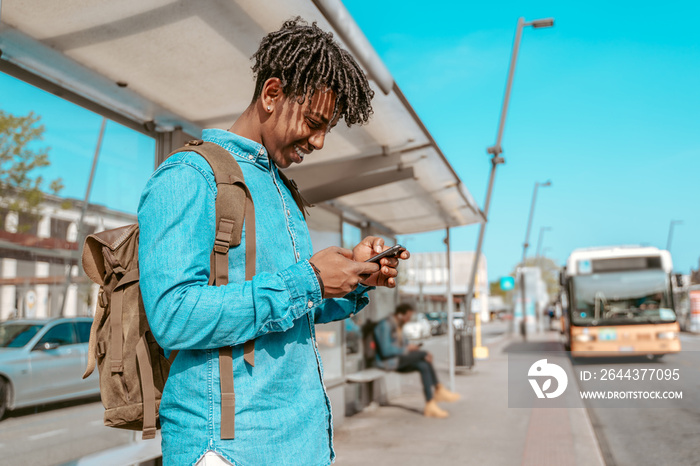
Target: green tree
[(495, 289), (550, 273), (20, 157)]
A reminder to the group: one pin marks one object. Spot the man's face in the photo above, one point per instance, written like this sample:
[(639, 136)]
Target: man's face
[(295, 130), (406, 317)]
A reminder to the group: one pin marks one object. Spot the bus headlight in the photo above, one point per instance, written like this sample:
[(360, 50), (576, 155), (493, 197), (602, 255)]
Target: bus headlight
[(667, 335), (584, 337)]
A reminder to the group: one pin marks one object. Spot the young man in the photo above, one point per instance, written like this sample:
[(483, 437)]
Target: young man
[(395, 353), (305, 83)]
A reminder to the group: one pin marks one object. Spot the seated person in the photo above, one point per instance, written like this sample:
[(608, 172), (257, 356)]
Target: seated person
[(394, 353)]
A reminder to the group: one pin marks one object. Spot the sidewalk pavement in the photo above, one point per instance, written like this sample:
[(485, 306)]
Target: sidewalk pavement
[(481, 429)]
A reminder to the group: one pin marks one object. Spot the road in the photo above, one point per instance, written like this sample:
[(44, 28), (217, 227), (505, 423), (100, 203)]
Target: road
[(651, 436), (56, 434), (628, 436)]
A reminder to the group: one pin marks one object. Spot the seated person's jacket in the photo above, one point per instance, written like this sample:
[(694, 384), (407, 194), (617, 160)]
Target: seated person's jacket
[(391, 343)]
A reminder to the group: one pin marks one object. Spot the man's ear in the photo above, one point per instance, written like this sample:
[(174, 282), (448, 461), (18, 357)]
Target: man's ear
[(271, 93)]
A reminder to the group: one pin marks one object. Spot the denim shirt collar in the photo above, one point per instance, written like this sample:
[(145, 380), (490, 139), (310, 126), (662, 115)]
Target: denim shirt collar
[(238, 145)]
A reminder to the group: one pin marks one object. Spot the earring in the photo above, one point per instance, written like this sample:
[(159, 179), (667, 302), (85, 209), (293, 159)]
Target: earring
[(269, 108)]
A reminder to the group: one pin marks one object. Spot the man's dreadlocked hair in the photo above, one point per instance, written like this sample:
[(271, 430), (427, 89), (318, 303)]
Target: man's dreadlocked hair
[(306, 59)]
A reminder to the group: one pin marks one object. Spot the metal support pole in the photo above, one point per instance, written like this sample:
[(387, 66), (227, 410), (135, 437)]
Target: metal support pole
[(670, 233), (526, 244), (495, 161), (450, 313), (496, 150), (83, 212), (523, 324), (539, 242)]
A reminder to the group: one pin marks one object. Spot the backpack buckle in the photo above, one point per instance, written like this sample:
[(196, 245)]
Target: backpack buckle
[(221, 246), (224, 233), (194, 142), (102, 299)]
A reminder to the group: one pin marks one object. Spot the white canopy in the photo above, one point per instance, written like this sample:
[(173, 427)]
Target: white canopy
[(161, 65)]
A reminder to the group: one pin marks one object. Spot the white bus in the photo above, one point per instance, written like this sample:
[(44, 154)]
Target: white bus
[(619, 301)]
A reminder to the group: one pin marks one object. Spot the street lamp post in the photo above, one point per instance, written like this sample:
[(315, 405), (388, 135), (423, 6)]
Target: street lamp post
[(670, 233), (526, 244), (539, 240), (496, 149), (523, 299), (83, 211)]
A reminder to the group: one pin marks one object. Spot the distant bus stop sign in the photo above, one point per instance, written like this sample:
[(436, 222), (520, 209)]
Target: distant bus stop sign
[(507, 283)]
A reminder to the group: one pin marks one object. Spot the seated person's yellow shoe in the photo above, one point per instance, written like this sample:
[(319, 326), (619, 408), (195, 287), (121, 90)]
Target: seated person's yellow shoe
[(443, 394), (433, 410)]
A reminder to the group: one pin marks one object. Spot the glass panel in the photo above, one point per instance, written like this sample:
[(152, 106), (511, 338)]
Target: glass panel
[(352, 235), (328, 337), (324, 228), (62, 334), (42, 188), (16, 335), (353, 334), (83, 331)]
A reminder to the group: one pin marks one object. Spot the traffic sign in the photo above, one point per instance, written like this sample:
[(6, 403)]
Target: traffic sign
[(507, 283)]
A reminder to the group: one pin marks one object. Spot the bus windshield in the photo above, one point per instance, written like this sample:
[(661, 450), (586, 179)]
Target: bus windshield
[(634, 297)]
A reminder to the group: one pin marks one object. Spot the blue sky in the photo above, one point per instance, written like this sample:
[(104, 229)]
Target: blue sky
[(71, 133), (606, 105)]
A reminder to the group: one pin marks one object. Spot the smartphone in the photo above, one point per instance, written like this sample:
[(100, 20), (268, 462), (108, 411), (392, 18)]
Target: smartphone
[(391, 252)]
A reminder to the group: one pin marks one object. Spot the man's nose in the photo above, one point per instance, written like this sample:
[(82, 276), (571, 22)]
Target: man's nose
[(317, 139)]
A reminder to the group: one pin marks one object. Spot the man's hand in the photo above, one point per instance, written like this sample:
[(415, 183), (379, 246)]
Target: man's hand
[(339, 272), (371, 246)]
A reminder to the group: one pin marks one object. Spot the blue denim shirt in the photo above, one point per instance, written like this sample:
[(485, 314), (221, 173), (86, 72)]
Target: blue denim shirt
[(391, 343), (283, 414)]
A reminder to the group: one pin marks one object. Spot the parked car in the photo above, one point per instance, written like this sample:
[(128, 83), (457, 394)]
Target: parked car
[(418, 327), (43, 360), (438, 322)]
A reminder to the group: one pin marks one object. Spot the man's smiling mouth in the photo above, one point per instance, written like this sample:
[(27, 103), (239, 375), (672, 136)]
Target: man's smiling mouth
[(299, 152)]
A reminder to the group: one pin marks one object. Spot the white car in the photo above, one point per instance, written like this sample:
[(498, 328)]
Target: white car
[(43, 360), (418, 327)]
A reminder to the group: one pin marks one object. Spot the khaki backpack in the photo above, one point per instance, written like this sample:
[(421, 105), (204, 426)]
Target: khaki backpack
[(131, 364)]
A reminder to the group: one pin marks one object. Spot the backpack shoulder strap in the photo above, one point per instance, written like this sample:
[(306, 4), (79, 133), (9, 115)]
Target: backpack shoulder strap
[(234, 205), (296, 194), (231, 190)]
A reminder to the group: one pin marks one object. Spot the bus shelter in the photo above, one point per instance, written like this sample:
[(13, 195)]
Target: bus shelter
[(166, 69)]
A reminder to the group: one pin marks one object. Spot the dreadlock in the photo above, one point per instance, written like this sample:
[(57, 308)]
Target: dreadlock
[(306, 59)]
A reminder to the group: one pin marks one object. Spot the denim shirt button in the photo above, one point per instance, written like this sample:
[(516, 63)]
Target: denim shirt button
[(251, 157), (310, 304), (288, 213)]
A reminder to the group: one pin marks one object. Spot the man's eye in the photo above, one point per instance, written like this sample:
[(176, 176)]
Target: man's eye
[(313, 124)]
